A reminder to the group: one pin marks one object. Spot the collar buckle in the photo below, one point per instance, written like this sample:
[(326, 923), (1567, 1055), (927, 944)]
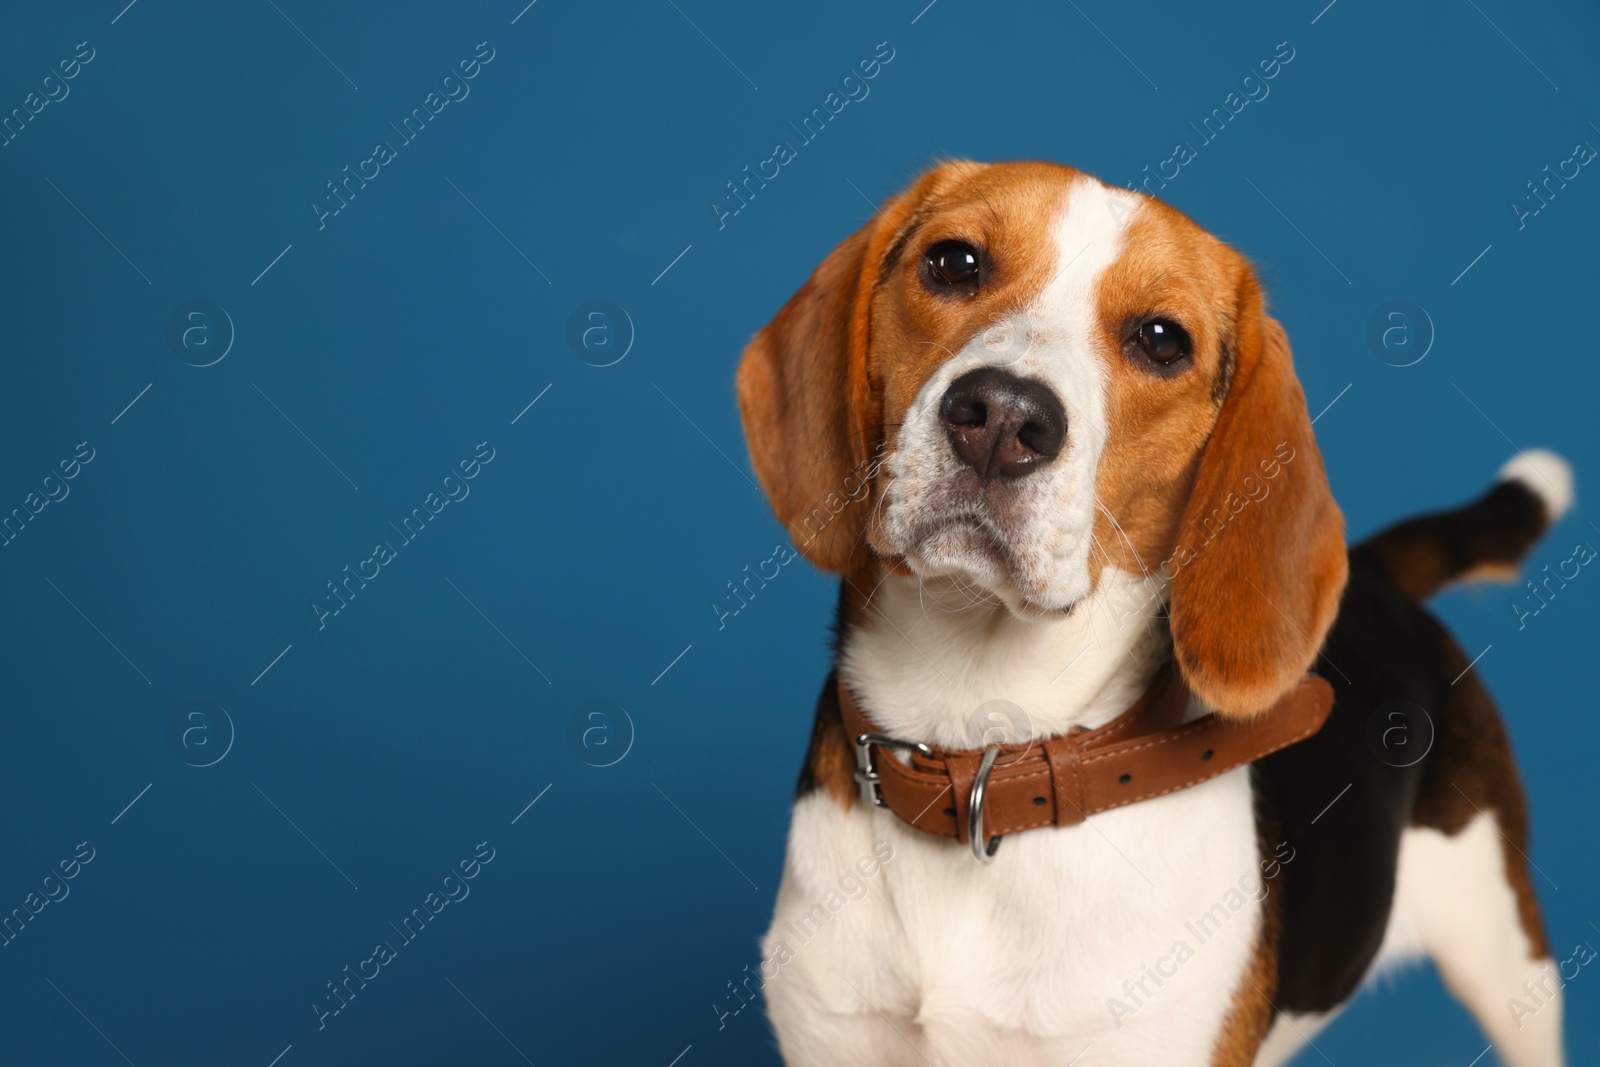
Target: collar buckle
[(867, 776)]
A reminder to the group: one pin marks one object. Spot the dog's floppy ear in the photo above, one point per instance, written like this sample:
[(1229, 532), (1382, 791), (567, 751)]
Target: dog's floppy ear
[(806, 400), (1251, 607)]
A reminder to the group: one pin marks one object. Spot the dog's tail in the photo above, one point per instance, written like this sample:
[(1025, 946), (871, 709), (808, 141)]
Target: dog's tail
[(1484, 540)]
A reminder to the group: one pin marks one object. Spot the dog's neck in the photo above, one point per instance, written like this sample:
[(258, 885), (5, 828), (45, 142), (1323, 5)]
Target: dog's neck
[(928, 660)]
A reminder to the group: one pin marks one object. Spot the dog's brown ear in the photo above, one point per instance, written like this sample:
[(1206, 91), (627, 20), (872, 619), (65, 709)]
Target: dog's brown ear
[(806, 399), (1252, 606)]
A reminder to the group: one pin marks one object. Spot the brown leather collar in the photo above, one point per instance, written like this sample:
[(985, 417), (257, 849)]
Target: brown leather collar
[(1145, 752)]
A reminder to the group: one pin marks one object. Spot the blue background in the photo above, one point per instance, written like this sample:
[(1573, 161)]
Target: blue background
[(378, 751)]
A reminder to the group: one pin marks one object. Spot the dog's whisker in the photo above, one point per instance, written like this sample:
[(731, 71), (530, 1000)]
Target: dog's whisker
[(1100, 505), (1148, 621)]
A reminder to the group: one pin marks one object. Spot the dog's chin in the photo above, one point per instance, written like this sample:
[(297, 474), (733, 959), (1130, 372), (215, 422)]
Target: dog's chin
[(968, 552)]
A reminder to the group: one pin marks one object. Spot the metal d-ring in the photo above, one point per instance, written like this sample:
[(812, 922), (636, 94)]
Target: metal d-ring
[(983, 850)]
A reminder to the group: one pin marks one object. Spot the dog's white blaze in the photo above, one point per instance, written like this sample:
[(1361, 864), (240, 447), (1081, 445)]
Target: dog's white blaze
[(1055, 340)]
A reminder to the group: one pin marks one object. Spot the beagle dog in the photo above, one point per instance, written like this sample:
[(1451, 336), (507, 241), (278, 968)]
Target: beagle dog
[(1048, 435)]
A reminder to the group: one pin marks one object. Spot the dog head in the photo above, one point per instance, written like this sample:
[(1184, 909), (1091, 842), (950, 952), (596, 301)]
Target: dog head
[(1020, 377)]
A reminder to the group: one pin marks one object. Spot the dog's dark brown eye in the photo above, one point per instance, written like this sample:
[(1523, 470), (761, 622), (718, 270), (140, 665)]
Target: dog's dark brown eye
[(952, 265), (1163, 340)]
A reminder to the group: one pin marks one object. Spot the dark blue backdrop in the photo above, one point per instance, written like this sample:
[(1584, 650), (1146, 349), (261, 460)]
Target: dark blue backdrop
[(301, 779)]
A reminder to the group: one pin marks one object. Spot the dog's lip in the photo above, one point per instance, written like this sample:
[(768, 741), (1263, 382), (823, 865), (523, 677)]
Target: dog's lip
[(986, 541), (975, 523), (979, 534)]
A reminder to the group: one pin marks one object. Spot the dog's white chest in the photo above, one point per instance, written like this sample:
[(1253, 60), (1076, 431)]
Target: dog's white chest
[(1129, 934)]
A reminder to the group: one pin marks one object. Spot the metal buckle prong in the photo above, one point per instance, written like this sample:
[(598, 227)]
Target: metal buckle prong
[(867, 775), (983, 850)]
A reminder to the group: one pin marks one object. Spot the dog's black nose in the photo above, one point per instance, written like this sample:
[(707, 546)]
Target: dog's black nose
[(1002, 426)]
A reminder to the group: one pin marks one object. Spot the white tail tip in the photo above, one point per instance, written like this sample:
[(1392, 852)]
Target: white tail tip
[(1546, 474)]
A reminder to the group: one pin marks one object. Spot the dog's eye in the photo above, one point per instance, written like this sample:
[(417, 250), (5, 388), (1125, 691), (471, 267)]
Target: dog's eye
[(952, 265), (1163, 341)]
